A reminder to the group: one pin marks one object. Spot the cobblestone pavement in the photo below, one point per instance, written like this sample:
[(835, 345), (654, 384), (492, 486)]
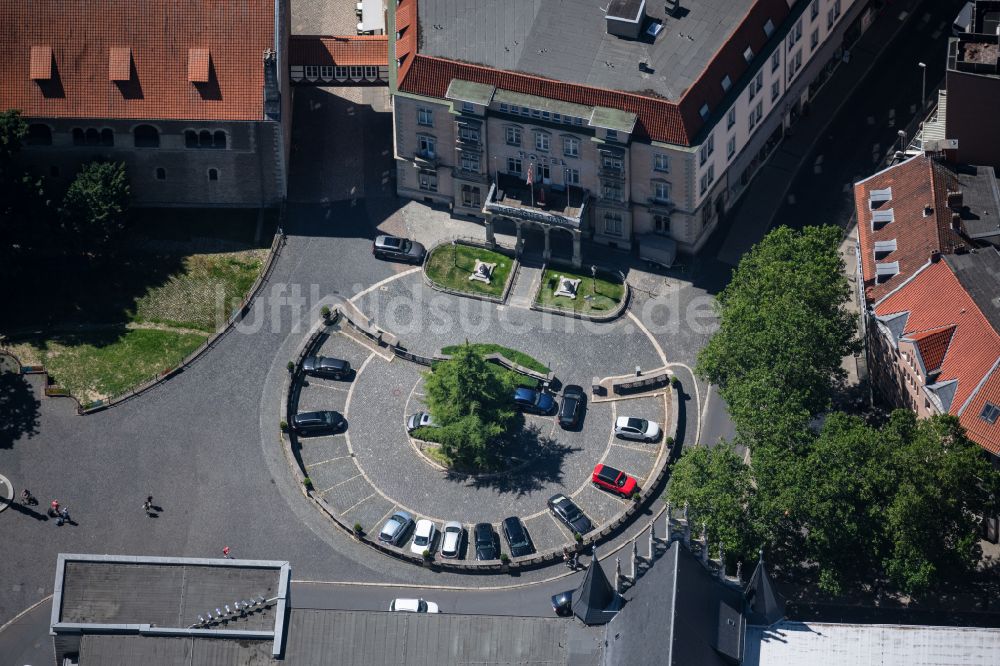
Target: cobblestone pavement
[(374, 469), (324, 17)]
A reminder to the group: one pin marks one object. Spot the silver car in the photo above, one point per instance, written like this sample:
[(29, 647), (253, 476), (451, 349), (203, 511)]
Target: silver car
[(419, 420), (630, 427), (395, 528), (451, 544)]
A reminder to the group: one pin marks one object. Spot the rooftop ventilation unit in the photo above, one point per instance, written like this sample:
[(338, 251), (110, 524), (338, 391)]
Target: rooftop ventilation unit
[(625, 18)]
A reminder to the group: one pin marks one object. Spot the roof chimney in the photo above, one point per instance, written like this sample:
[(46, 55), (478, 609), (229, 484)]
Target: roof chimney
[(928, 210), (955, 200), (935, 256), (956, 222)]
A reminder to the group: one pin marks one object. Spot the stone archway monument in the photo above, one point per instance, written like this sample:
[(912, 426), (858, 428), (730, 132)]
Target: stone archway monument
[(545, 207)]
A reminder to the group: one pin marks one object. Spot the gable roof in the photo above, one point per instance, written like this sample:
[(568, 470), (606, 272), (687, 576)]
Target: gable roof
[(911, 185), (932, 346), (937, 302), (372, 50), (765, 605), (664, 113), (129, 59)]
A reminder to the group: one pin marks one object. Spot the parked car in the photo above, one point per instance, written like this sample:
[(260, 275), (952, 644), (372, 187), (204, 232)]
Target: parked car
[(306, 423), (401, 249), (536, 402), (395, 528), (617, 481), (517, 537), (451, 542), (571, 408), (562, 603), (567, 511), (630, 427), (419, 420), (413, 606), (326, 366), (486, 542), (423, 537)]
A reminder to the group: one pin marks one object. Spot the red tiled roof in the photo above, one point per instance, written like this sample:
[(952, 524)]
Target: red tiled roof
[(936, 300), (986, 434), (199, 65), (159, 34), (916, 183), (120, 63), (933, 345), (659, 119), (40, 68), (358, 50)]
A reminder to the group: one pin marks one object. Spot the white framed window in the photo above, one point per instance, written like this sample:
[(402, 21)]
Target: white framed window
[(572, 176), (470, 162), (613, 224), (514, 165), (503, 108), (707, 149), (468, 107), (707, 178), (425, 117), (794, 35), (611, 162), (371, 72), (428, 181), (513, 136), (340, 72), (661, 162), (536, 113), (730, 147), (469, 133), (471, 198), (542, 173), (775, 60), (326, 71), (661, 224), (427, 144), (312, 72), (357, 72), (775, 90), (661, 190), (731, 118), (571, 146), (541, 141), (612, 191)]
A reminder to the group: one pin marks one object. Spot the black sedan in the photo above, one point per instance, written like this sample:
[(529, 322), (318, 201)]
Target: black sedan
[(315, 422), (326, 366), (567, 511), (571, 408), (517, 537), (562, 603), (486, 542)]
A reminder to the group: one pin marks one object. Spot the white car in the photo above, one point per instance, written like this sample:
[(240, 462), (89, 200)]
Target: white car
[(413, 606), (423, 537), (630, 427), (451, 544)]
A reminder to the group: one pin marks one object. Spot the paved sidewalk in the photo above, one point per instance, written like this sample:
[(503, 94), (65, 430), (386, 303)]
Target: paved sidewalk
[(523, 291), (767, 191)]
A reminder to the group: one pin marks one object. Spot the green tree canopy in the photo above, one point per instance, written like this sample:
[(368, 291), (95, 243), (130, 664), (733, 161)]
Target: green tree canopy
[(784, 329), (96, 204), (716, 486), (470, 400)]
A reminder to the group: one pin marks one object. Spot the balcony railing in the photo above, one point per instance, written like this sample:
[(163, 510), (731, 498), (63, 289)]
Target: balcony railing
[(559, 206)]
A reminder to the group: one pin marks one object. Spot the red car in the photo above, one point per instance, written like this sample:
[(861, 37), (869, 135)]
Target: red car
[(614, 480)]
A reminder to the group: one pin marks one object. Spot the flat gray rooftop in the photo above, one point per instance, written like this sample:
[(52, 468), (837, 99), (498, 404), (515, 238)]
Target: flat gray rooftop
[(567, 40), (981, 202), (979, 273), (356, 638), (96, 592)]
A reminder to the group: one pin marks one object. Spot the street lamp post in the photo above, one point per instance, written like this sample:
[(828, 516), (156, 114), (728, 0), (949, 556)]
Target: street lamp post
[(593, 276), (923, 85)]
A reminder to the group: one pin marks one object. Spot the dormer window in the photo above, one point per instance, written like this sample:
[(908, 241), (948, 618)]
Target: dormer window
[(880, 218), (769, 28), (748, 54), (726, 83), (990, 413), (885, 271), (884, 248), (199, 65), (878, 197)]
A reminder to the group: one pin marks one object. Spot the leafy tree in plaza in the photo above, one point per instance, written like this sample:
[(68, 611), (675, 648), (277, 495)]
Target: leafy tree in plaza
[(469, 400), (95, 207), (23, 214), (716, 485), (784, 329), (13, 129)]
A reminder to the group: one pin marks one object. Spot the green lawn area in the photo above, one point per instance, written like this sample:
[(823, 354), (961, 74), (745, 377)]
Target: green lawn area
[(95, 365), (451, 265), (520, 358), (605, 298)]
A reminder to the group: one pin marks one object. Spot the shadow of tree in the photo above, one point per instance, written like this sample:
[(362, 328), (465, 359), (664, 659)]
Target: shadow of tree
[(18, 409), (536, 460)]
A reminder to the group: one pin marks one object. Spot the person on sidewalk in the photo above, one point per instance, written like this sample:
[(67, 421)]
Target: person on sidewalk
[(225, 552), (54, 509), (147, 506)]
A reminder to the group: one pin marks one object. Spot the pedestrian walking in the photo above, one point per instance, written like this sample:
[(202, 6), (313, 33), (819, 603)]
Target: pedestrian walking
[(28, 498), (54, 509), (147, 506), (225, 552), (64, 515)]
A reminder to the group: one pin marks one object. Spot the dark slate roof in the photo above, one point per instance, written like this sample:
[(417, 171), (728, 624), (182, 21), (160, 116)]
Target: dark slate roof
[(567, 40), (979, 274), (765, 605), (595, 601), (679, 613), (980, 202), (353, 638)]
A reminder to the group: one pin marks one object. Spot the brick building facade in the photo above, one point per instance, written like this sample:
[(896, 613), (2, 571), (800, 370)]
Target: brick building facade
[(192, 96)]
